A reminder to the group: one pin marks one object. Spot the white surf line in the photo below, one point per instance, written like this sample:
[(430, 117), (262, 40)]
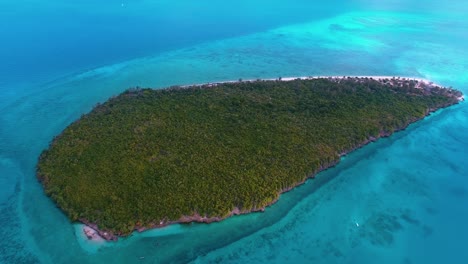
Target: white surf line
[(286, 79)]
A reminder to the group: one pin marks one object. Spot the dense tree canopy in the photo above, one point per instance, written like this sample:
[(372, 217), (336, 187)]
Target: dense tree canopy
[(151, 156)]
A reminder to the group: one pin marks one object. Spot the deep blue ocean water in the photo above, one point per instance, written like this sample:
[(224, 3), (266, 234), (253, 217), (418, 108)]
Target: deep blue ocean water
[(403, 199)]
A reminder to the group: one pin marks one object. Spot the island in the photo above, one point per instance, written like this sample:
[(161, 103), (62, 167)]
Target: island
[(153, 157)]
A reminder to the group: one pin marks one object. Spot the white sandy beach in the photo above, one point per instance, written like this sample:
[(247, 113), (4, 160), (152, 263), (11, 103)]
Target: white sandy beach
[(376, 77)]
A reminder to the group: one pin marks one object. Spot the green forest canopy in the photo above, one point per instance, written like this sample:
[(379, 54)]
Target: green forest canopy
[(148, 156)]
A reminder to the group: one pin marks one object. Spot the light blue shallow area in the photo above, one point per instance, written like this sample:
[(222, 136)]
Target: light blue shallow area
[(403, 199)]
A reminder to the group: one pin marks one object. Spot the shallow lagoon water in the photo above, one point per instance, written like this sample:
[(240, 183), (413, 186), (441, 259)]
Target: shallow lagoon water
[(403, 199)]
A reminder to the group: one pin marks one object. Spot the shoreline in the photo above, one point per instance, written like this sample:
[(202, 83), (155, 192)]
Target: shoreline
[(197, 218), (422, 82), (313, 77)]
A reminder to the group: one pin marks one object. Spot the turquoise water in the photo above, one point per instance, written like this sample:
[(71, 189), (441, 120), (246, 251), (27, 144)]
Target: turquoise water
[(403, 199)]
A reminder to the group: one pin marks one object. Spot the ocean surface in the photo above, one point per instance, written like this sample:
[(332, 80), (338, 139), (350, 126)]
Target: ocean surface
[(403, 199)]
